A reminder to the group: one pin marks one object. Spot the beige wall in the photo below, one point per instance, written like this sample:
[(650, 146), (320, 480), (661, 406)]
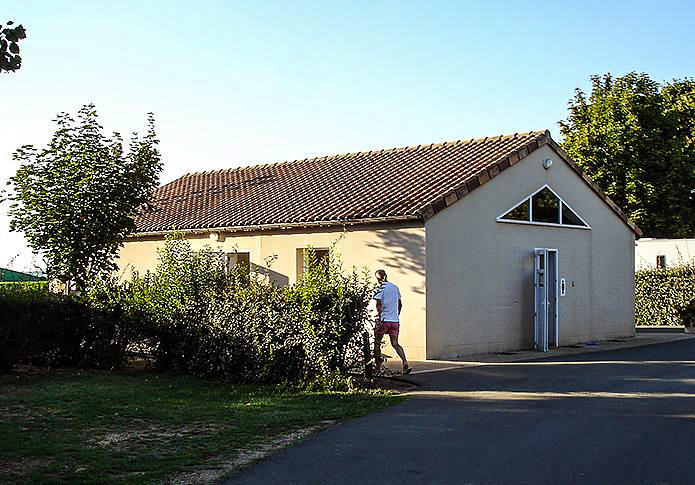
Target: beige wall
[(398, 248), (479, 271)]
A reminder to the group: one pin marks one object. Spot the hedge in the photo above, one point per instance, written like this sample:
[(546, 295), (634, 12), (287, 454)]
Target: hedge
[(193, 315), (25, 285), (50, 330), (663, 294)]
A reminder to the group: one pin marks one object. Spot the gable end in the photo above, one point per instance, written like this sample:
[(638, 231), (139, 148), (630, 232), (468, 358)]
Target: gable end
[(454, 194)]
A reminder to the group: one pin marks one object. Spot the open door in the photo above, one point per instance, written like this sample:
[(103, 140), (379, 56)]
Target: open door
[(546, 301)]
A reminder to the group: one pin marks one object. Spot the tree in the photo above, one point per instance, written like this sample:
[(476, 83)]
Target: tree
[(76, 199), (636, 139), (10, 59)]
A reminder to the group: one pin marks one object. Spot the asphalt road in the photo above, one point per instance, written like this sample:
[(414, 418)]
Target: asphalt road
[(625, 416)]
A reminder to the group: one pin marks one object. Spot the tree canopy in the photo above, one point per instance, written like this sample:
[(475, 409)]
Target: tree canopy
[(10, 35), (636, 139), (76, 199)]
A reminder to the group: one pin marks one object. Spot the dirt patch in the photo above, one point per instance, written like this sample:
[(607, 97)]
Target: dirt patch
[(23, 467), (136, 365), (12, 388), (246, 457), (150, 433), (132, 365), (33, 370), (15, 412)]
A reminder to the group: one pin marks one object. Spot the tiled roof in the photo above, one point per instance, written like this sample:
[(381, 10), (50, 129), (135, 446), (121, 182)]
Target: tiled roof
[(401, 183)]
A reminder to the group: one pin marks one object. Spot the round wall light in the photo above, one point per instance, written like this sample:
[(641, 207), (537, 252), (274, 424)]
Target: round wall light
[(547, 163)]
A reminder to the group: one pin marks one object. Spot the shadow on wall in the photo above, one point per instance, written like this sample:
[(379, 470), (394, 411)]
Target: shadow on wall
[(406, 251), (276, 278)]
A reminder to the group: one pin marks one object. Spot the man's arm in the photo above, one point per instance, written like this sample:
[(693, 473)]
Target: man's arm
[(400, 306), (379, 307)]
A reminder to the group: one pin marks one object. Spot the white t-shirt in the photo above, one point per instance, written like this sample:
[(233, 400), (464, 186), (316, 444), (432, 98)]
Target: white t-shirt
[(389, 295)]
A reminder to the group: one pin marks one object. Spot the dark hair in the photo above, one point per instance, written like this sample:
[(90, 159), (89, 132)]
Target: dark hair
[(381, 273)]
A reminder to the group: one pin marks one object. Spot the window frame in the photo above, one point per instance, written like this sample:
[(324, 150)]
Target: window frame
[(531, 222), (302, 268), (226, 253), (660, 261)]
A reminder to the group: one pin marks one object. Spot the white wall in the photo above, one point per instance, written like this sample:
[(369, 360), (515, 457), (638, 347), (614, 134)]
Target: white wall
[(480, 294), (677, 251)]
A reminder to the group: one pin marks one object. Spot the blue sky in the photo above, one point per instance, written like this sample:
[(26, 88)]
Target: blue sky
[(236, 83)]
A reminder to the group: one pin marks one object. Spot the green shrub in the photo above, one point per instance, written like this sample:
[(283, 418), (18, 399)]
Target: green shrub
[(687, 314), (111, 329), (39, 328), (48, 329), (171, 304), (28, 285), (662, 293), (335, 312), (194, 315)]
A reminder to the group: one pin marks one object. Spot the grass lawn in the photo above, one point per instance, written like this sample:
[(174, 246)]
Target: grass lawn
[(142, 427)]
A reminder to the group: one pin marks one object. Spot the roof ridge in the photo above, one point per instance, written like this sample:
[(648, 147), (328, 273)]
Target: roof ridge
[(464, 141)]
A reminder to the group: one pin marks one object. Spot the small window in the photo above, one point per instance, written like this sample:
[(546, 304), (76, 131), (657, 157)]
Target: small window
[(307, 257), (543, 207), (661, 261), (239, 261)]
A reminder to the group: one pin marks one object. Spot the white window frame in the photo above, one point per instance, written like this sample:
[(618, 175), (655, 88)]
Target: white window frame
[(530, 222)]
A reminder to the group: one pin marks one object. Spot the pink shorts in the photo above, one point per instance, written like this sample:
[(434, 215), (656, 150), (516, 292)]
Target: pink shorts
[(389, 328)]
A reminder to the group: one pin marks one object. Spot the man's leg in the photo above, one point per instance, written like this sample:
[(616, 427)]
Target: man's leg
[(399, 350), (377, 347)]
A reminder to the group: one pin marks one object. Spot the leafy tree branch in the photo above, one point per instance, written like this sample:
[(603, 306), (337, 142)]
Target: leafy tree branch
[(76, 199), (636, 139), (10, 35)]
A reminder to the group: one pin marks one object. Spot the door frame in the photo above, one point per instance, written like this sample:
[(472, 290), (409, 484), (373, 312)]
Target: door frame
[(540, 335)]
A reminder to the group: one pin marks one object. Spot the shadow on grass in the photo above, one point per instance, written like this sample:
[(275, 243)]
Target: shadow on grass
[(141, 427)]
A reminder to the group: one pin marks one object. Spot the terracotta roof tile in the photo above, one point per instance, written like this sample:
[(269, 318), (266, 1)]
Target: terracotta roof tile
[(398, 182), (405, 183)]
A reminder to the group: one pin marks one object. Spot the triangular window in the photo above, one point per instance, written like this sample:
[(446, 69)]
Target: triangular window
[(543, 207)]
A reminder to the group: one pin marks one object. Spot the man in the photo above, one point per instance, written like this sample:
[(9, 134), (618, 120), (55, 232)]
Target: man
[(388, 306)]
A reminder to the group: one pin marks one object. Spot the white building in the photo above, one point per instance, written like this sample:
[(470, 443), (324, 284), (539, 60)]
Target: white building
[(661, 253)]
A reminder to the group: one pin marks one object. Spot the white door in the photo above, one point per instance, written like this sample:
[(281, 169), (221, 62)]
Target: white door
[(546, 301)]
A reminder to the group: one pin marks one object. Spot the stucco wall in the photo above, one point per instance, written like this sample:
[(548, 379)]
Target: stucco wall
[(480, 272), (677, 251), (397, 248)]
